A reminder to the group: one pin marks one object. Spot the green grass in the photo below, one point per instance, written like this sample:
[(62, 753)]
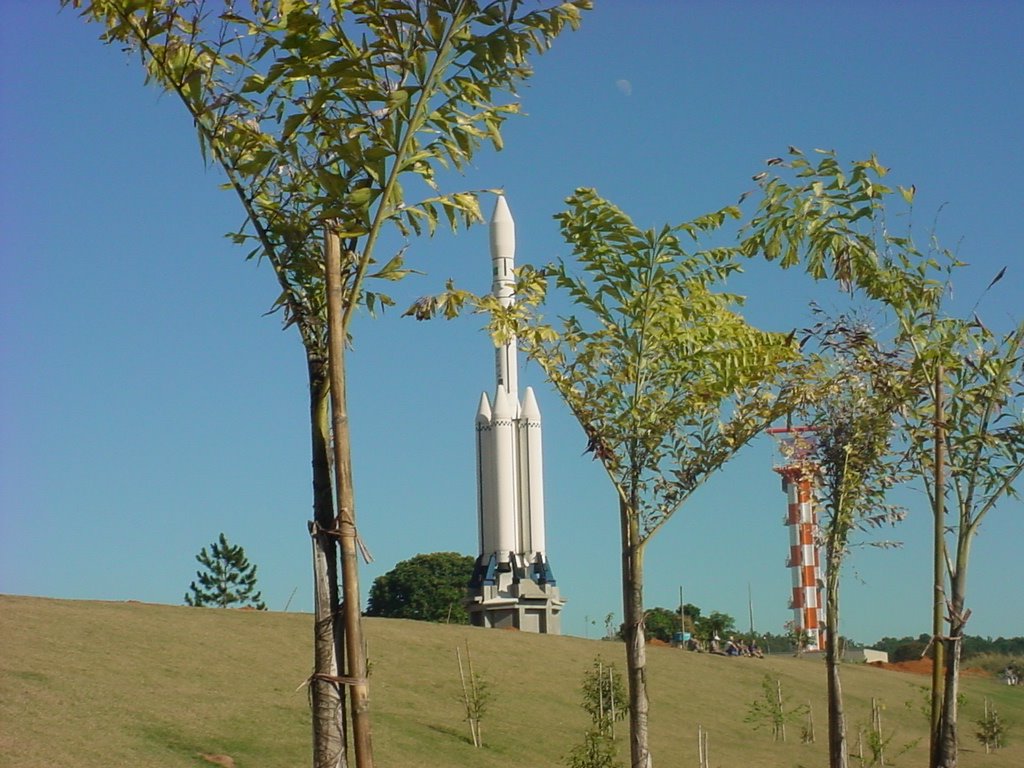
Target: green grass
[(91, 684)]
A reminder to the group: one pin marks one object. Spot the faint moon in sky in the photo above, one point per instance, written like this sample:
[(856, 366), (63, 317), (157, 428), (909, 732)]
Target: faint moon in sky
[(624, 86)]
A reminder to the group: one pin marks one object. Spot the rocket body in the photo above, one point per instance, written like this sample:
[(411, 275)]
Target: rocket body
[(513, 584), (503, 287)]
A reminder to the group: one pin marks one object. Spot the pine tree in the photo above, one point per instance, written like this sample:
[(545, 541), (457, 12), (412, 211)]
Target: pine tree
[(228, 579)]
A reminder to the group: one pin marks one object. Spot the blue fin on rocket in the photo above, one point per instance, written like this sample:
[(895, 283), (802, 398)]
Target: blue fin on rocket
[(484, 572), (541, 573)]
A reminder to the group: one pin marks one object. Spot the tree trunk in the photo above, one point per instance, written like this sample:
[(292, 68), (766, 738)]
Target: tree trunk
[(836, 715), (358, 685), (636, 641), (947, 753), (330, 744)]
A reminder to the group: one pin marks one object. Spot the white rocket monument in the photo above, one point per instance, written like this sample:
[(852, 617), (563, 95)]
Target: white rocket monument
[(513, 586)]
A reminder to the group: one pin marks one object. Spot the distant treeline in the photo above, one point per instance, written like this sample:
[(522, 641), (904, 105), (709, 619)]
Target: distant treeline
[(663, 624), (908, 648)]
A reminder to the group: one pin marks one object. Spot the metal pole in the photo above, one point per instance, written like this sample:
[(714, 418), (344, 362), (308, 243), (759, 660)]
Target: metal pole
[(682, 619), (750, 607)]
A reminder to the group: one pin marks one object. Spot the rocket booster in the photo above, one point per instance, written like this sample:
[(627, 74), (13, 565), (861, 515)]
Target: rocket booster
[(531, 475), (485, 476)]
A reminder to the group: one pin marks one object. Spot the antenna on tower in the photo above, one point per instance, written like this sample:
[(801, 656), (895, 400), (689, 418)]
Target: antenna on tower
[(750, 608)]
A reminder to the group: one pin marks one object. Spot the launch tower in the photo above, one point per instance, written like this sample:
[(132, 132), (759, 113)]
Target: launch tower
[(798, 472), (513, 586)]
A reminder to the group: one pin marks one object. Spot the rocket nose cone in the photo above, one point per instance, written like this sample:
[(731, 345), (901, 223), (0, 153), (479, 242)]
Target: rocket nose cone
[(503, 231), (483, 412), (530, 410), (501, 211), (504, 405)]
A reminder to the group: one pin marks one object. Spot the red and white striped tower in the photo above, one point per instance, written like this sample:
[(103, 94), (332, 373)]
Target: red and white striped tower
[(798, 473)]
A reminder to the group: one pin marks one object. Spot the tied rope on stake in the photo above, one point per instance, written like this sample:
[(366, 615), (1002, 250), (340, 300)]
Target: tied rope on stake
[(963, 619), (337, 532), (338, 680)]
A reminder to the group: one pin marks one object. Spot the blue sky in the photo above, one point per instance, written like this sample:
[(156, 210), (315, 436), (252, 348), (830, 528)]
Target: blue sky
[(148, 404)]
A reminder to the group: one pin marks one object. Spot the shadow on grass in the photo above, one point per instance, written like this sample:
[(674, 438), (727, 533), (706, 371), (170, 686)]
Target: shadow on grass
[(166, 739), (455, 734), (28, 677)]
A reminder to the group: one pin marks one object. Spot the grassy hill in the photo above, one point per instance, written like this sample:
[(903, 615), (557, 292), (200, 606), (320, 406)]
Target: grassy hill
[(91, 684)]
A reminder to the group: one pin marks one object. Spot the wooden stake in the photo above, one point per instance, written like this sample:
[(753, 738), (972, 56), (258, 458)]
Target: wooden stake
[(781, 730), (359, 689), (938, 574), (466, 699), (876, 724), (611, 693), (476, 697)]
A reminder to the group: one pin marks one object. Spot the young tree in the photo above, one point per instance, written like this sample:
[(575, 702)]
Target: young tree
[(227, 580), (426, 588), (977, 403), (991, 728), (476, 695), (316, 112), (604, 698), (666, 380), (832, 221), (796, 638), (772, 710), (860, 388)]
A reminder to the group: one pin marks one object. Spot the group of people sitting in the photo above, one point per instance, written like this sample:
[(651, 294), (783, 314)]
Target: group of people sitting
[(732, 647)]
